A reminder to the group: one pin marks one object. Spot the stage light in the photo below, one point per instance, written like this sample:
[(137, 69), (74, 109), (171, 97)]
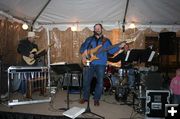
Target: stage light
[(25, 26), (132, 26)]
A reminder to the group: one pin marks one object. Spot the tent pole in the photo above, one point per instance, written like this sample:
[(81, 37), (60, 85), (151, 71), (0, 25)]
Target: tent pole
[(124, 20), (39, 14), (48, 57)]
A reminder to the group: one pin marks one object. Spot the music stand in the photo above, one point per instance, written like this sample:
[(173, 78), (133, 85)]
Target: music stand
[(132, 55), (66, 68), (139, 55), (146, 55), (142, 55), (75, 69)]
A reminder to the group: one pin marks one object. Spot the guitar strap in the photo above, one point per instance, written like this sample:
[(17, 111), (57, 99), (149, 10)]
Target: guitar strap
[(97, 40), (103, 39)]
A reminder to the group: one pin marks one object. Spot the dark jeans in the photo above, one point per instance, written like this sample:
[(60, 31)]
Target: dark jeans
[(88, 73), (24, 78)]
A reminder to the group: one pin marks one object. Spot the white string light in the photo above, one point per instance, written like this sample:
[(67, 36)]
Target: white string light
[(132, 26), (25, 26), (73, 28)]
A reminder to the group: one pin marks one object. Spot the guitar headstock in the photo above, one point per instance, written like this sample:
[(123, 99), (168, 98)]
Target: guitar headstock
[(51, 44), (123, 43), (128, 41)]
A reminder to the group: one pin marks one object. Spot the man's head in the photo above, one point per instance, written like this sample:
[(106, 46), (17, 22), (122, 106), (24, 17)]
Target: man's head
[(31, 36), (126, 47), (98, 29)]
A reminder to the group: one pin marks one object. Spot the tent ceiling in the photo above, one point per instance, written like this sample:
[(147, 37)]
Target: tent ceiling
[(158, 12), (83, 11), (22, 9), (155, 12)]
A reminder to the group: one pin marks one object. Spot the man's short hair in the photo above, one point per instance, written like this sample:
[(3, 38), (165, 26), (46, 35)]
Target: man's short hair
[(99, 25)]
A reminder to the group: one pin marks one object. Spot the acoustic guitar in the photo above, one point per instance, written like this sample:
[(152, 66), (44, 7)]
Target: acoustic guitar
[(31, 61), (90, 55)]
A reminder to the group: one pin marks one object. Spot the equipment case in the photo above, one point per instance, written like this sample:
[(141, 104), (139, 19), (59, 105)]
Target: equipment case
[(155, 102)]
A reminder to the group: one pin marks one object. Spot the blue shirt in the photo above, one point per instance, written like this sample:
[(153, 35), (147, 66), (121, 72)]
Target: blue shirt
[(92, 42)]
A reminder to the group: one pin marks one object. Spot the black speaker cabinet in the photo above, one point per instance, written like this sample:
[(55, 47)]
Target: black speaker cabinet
[(167, 43), (153, 81), (155, 102)]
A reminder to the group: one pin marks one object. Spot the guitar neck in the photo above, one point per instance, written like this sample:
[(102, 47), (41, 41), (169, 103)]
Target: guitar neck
[(40, 51), (112, 46)]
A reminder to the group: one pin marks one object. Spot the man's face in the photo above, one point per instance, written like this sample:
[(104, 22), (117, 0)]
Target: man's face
[(98, 30), (31, 39), (126, 47)]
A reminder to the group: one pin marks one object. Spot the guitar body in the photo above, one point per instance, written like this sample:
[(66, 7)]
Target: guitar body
[(90, 53), (85, 61), (31, 61), (28, 60)]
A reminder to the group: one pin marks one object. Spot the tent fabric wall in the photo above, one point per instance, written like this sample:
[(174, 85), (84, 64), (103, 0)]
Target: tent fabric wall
[(67, 43), (10, 33)]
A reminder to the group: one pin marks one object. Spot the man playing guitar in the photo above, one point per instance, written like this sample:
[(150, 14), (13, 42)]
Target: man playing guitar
[(28, 49), (94, 52)]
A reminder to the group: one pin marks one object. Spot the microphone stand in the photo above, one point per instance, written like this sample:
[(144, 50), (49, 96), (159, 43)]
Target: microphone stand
[(68, 84)]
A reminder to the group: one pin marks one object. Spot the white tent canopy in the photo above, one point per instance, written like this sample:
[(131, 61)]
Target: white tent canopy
[(85, 13)]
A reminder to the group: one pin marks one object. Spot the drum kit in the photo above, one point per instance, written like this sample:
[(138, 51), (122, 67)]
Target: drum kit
[(116, 81)]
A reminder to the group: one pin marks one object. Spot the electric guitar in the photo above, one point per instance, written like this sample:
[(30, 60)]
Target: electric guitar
[(90, 55), (31, 61)]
